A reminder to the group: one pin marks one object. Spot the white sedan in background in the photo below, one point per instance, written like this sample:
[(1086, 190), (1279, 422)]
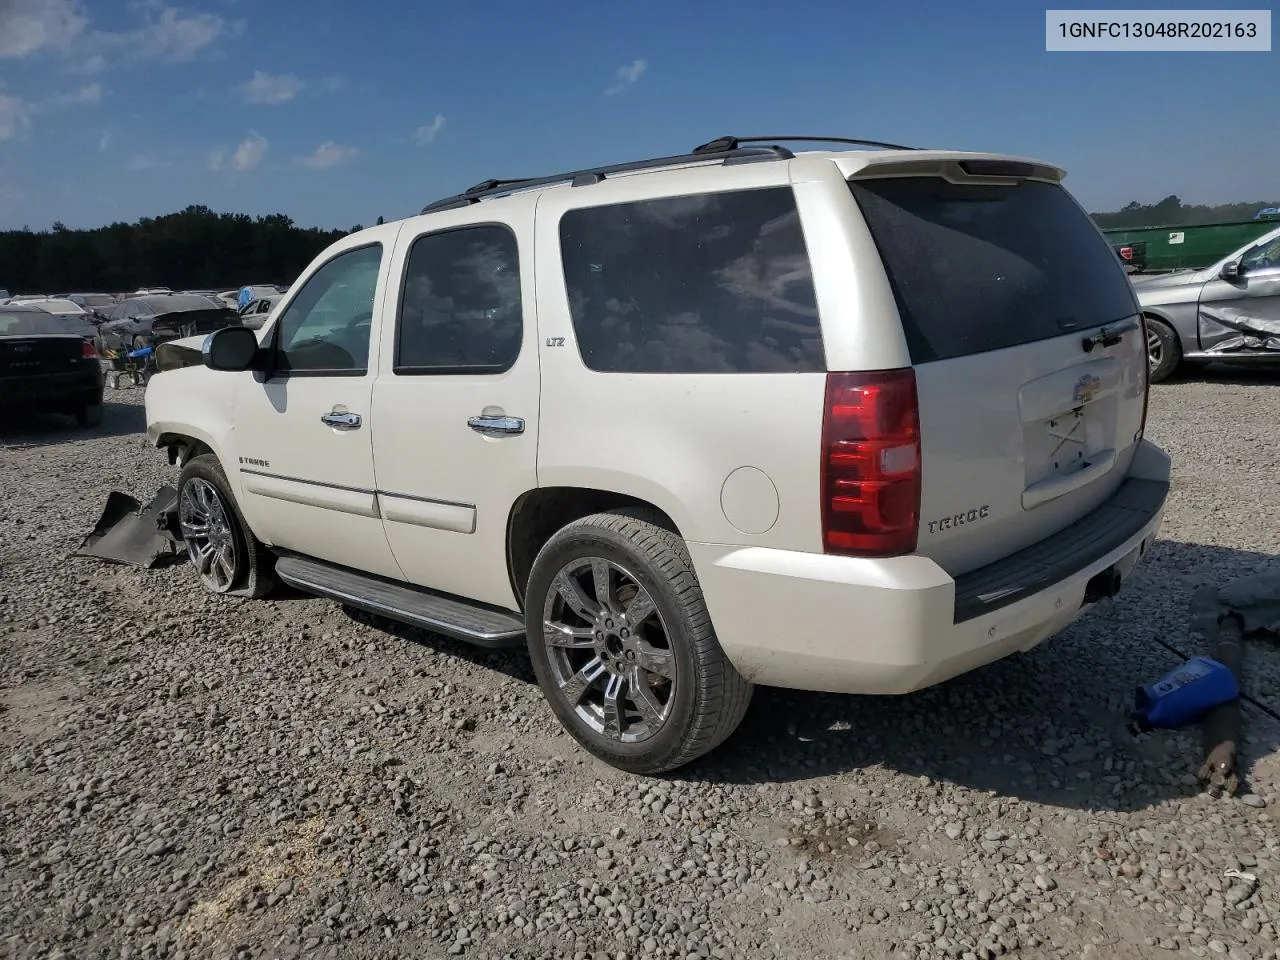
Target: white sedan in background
[(256, 312)]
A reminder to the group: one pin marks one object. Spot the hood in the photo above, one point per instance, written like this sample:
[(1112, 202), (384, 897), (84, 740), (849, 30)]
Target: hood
[(1167, 281), (176, 354)]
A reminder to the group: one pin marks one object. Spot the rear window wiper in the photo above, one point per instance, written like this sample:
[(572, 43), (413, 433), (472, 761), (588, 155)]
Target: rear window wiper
[(1108, 336)]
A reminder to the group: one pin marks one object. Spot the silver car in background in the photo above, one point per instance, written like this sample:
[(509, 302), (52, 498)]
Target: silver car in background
[(1228, 312)]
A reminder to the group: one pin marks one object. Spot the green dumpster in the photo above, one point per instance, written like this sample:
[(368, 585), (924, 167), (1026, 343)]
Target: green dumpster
[(1192, 245)]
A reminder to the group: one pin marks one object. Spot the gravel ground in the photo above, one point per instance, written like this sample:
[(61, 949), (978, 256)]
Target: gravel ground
[(184, 776)]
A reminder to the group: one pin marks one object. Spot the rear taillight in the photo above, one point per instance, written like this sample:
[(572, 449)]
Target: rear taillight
[(871, 464), (1126, 253), (87, 350)]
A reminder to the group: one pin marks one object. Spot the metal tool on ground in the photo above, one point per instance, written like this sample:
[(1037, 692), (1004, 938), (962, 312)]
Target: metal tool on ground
[(1243, 609)]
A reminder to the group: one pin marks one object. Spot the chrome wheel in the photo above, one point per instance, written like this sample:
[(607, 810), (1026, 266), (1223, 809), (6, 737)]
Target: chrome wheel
[(206, 528), (608, 647), (1155, 349)]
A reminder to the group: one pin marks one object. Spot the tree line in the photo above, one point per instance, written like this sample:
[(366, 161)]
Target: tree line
[(195, 249), (200, 249), (1172, 212)]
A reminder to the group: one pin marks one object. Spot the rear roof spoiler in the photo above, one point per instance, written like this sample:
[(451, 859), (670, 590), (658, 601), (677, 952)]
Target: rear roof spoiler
[(953, 166)]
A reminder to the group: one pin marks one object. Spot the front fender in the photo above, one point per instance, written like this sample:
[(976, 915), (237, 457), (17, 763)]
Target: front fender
[(1182, 318), (198, 404)]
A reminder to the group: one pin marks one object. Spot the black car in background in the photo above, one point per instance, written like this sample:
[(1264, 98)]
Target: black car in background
[(97, 305), (46, 369), (144, 321)]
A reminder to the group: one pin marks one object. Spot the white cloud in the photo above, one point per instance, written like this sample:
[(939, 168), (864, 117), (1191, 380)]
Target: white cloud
[(425, 134), (627, 76), (250, 153), (14, 114), (27, 26), (104, 141), (163, 32), (84, 96), (174, 34), (269, 89), (166, 33), (217, 158), (329, 154)]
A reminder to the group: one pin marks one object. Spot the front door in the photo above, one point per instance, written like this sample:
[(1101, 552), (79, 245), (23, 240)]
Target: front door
[(1246, 307), (303, 429), (456, 405)]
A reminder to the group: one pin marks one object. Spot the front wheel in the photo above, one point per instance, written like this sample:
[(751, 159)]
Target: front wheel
[(1164, 352), (623, 647), (227, 557)]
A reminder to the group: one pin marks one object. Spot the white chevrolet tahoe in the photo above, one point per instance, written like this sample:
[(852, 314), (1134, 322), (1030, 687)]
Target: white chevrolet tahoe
[(856, 420)]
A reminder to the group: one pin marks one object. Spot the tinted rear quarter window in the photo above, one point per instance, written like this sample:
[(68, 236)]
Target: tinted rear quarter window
[(710, 283), (977, 268)]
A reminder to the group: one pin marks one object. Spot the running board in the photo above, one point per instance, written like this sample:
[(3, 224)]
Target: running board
[(482, 625)]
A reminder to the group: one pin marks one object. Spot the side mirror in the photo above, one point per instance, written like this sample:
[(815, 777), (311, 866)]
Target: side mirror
[(232, 348), (1231, 270)]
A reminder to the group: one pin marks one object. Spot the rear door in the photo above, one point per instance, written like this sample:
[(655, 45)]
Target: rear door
[(1029, 419), (456, 404)]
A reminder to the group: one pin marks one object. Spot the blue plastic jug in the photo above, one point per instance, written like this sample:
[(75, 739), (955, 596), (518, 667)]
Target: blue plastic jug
[(1184, 695)]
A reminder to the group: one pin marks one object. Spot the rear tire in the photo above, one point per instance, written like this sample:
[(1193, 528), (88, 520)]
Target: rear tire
[(90, 415), (226, 555), (1164, 351), (644, 690)]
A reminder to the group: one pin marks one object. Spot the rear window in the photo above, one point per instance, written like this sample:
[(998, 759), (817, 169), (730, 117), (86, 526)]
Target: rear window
[(31, 323), (978, 268), (710, 283)]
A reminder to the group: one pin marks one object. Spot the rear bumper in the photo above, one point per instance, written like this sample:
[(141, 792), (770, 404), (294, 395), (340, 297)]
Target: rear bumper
[(850, 625), (54, 391)]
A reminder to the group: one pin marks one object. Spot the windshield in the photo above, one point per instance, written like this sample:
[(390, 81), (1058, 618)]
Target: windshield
[(31, 323), (979, 268)]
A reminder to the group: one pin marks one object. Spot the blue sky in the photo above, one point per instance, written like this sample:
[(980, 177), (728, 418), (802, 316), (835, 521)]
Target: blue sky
[(338, 111)]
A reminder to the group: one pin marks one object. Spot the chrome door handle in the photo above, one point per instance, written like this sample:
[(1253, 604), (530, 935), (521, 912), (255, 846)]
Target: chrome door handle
[(491, 426), (344, 421)]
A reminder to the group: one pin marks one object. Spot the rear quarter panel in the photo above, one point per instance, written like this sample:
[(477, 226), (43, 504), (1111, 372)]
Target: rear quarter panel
[(691, 444)]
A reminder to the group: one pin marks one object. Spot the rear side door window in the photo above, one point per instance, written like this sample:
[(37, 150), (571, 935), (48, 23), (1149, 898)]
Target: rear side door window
[(709, 283), (326, 327), (461, 310)]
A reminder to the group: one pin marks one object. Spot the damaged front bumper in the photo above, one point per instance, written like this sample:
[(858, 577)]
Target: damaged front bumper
[(130, 533)]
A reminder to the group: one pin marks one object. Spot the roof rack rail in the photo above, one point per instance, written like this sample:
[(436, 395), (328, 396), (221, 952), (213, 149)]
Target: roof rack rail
[(733, 143), (589, 175)]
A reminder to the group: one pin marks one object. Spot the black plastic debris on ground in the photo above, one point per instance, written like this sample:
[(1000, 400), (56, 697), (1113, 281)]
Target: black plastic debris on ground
[(130, 533)]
